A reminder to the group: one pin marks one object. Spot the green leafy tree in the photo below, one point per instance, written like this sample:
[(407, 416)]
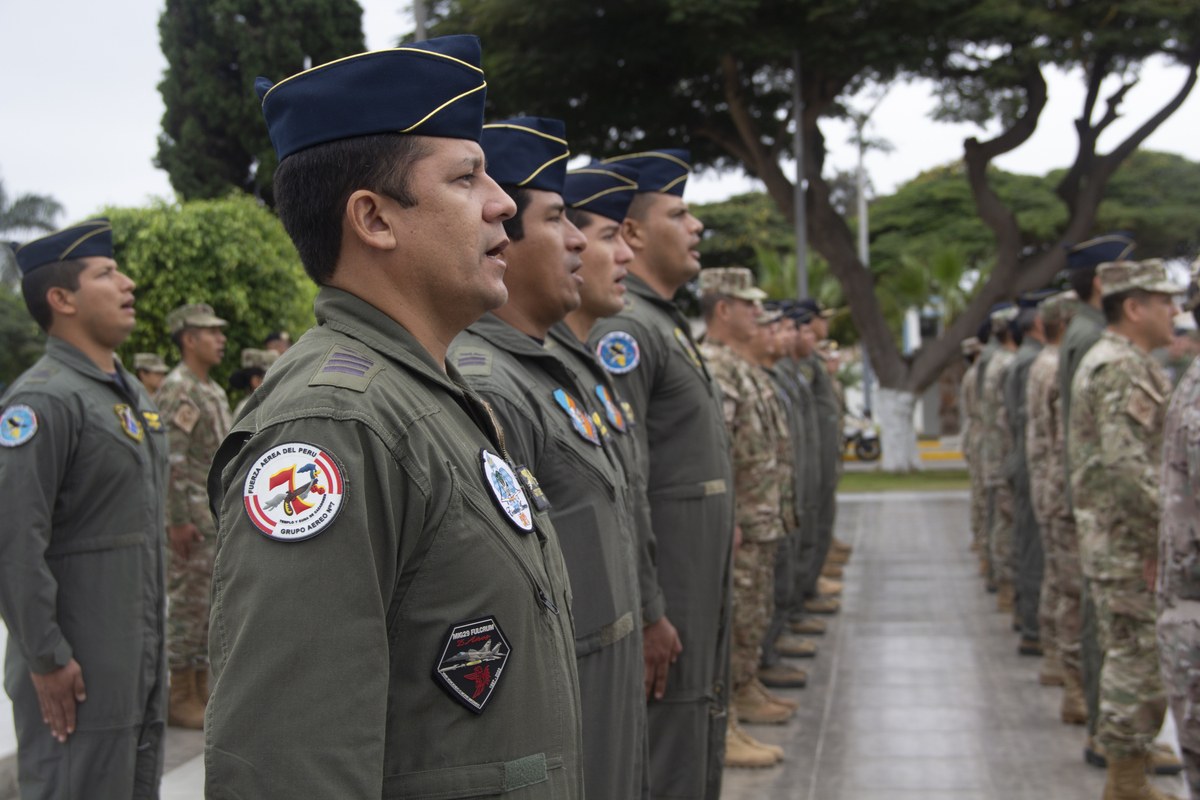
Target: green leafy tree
[(716, 75), (21, 340), (213, 135), (21, 214), (230, 253)]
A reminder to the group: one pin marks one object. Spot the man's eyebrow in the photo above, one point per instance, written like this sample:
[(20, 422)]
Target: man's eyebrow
[(556, 208), (473, 162)]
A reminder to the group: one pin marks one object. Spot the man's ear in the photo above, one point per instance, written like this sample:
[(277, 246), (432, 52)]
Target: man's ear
[(634, 234), (61, 301), (370, 217)]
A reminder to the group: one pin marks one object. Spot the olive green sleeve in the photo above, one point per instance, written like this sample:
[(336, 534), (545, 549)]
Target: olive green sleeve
[(298, 632), (31, 474)]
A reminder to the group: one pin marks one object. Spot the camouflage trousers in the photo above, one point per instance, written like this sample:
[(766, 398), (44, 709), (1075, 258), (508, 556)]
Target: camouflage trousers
[(1000, 536), (1062, 583), (1133, 700), (188, 583), (753, 605), (979, 508), (1179, 658)]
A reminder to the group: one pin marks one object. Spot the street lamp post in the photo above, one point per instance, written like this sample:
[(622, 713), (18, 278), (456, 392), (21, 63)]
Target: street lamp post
[(800, 216)]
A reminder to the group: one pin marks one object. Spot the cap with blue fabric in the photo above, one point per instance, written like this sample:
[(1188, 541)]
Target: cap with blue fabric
[(1032, 299), (92, 237), (604, 189), (664, 171), (432, 88), (816, 308), (1094, 252), (530, 152)]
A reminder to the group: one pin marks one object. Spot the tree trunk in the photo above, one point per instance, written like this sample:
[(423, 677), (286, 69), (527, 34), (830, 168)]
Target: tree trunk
[(897, 436)]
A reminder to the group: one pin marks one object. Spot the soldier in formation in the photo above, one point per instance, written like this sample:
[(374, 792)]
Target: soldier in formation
[(150, 370), (996, 443), (968, 404), (249, 377)]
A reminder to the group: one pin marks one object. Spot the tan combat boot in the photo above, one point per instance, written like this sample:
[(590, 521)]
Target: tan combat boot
[(1051, 673), (795, 647), (1005, 595), (782, 676), (809, 626), (755, 708), (1127, 781), (828, 588), (1162, 760), (831, 571), (837, 558), (774, 749), (822, 605), (767, 694), (1074, 708), (838, 545), (185, 709), (742, 750)]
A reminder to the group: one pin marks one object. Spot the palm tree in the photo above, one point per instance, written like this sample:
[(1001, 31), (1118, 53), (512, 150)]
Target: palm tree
[(28, 212)]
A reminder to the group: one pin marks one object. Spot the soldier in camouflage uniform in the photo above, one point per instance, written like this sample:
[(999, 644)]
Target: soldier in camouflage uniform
[(1178, 624), (197, 415), (732, 305), (1115, 450), (968, 413), (996, 442), (1059, 609), (255, 364), (150, 370)]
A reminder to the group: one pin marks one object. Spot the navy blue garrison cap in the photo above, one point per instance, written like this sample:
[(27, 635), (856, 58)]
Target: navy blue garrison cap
[(432, 88), (602, 189), (530, 152), (92, 237), (663, 171), (1093, 252), (1032, 299)]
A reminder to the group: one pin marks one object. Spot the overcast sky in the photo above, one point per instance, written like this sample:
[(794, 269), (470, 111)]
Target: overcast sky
[(81, 110)]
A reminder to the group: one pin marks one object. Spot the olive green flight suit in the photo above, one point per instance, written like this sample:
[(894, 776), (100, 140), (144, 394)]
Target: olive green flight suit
[(806, 565), (1027, 540), (989, 350), (573, 456), (1083, 331), (83, 575), (828, 459), (680, 422), (333, 654)]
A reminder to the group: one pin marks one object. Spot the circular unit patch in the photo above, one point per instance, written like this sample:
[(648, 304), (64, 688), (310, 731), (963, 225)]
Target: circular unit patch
[(18, 424), (618, 352), (506, 490), (293, 492)]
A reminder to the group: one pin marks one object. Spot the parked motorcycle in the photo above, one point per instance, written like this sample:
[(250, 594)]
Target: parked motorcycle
[(863, 435)]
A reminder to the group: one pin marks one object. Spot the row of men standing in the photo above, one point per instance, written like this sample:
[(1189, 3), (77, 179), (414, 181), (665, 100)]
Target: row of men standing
[(445, 516), (1065, 448)]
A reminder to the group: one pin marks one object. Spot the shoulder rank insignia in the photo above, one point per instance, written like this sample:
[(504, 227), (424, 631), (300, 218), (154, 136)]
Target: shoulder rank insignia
[(18, 424), (502, 479), (473, 361), (130, 423), (471, 661), (540, 501), (583, 424), (293, 492), (618, 352), (153, 421), (347, 368), (615, 415), (688, 347)]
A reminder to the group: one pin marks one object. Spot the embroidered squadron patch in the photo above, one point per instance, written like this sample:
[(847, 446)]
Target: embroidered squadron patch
[(506, 490), (583, 424), (533, 488), (473, 657), (129, 422), (18, 424), (615, 415), (600, 426), (687, 346), (293, 492), (630, 419), (153, 421), (618, 352)]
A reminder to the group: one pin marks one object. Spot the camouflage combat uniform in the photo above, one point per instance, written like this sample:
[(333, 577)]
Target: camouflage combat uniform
[(968, 403), (198, 418), (1179, 568), (995, 446), (1118, 407), (1059, 609), (752, 419)]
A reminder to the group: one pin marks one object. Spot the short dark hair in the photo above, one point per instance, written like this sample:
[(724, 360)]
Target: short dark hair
[(1024, 320), (578, 217), (1083, 280), (55, 275), (708, 304), (514, 226), (239, 379), (312, 186), (177, 336), (642, 201), (1001, 335), (1114, 304), (1052, 328)]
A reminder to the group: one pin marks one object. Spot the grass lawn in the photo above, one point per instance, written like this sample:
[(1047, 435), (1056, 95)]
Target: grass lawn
[(908, 481)]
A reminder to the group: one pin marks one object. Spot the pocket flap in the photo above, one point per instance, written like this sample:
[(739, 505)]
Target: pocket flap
[(474, 780)]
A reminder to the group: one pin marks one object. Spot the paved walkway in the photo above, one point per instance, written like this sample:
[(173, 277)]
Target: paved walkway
[(918, 692)]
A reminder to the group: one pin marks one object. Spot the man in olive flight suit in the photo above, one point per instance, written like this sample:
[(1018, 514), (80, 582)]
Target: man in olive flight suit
[(650, 349), (83, 460), (391, 610), (555, 432)]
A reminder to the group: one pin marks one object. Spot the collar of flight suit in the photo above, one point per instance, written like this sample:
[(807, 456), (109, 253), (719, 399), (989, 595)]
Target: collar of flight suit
[(504, 336), (67, 353)]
